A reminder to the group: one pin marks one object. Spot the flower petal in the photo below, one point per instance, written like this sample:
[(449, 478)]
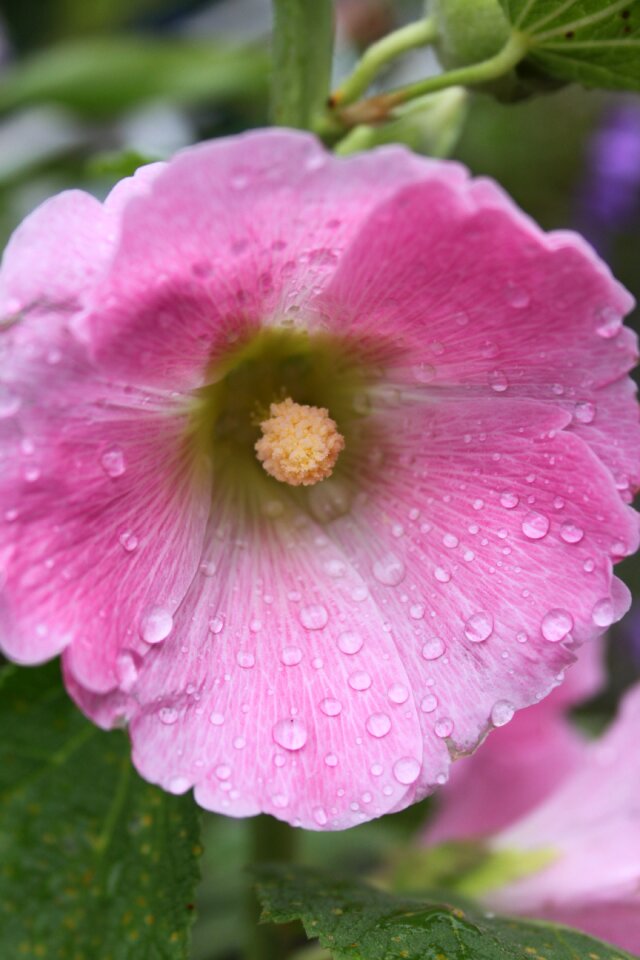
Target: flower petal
[(281, 689)]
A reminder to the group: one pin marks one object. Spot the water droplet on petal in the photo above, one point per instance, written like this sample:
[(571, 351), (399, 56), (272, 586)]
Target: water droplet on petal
[(290, 733), (509, 500), (314, 617), (416, 611), (406, 770), (331, 760), (223, 771), (479, 627), (126, 670), (331, 707), (350, 642), (610, 323), (517, 297), (423, 372), (113, 462), (168, 715), (442, 575), (178, 785), (216, 625), (320, 816), (535, 525), (498, 381), (585, 412), (398, 693), (217, 719), (360, 680), (389, 570), (556, 625), (245, 659), (429, 703), (291, 656), (128, 541), (603, 612), (378, 724), (443, 727), (156, 625), (502, 713), (570, 533), (433, 648)]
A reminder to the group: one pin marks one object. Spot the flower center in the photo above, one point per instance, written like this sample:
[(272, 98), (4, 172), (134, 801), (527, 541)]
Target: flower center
[(299, 444)]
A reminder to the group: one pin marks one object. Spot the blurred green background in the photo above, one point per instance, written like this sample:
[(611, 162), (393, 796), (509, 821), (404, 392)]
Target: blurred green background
[(89, 89)]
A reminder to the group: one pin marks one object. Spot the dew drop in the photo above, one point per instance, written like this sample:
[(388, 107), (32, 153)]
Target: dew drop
[(290, 733), (178, 785), (535, 525), (556, 625), (330, 707), (610, 323), (314, 617), (498, 381), (501, 713), (223, 771), (443, 727), (406, 770), (350, 642), (291, 656), (423, 372), (479, 627), (450, 541), (245, 659), (433, 648), (113, 462), (216, 625), (128, 541), (320, 816), (416, 611), (331, 760), (360, 680), (517, 297), (429, 703), (585, 412), (389, 570), (168, 715), (570, 533), (509, 500), (217, 719), (442, 575), (378, 724), (126, 670), (156, 625), (603, 612), (398, 693)]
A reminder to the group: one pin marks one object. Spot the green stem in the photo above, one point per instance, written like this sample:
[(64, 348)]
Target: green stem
[(417, 34), (377, 109), (271, 841), (302, 51)]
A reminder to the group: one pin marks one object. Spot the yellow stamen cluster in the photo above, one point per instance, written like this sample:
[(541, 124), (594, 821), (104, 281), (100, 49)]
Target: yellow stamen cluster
[(300, 444)]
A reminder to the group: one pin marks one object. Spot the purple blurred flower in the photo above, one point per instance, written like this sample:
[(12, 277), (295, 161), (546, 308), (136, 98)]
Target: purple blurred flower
[(610, 193)]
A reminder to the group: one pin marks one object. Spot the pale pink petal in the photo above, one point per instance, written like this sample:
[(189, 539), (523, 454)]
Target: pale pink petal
[(617, 922), (485, 304), (233, 234), (520, 764), (102, 521), (281, 688), (592, 822)]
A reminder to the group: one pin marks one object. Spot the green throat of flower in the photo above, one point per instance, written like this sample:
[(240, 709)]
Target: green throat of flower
[(284, 408)]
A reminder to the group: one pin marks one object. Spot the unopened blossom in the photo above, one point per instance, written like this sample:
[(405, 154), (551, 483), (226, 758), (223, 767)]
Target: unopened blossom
[(317, 650), (579, 811)]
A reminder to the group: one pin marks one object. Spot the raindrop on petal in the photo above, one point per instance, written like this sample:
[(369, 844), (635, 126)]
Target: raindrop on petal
[(535, 525), (314, 617), (390, 570), (290, 733), (156, 625), (378, 724), (479, 627), (406, 770), (501, 713), (556, 625)]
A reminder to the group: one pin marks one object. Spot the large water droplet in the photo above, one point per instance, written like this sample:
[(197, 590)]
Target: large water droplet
[(245, 659), (609, 322), (350, 642), (535, 525), (290, 733), (429, 703), (556, 625), (320, 816), (314, 617), (509, 500), (223, 771), (113, 462), (217, 719), (378, 724), (291, 656), (156, 625), (330, 707), (168, 715), (498, 381), (398, 693), (585, 412), (433, 648), (360, 680), (570, 533), (479, 627), (423, 372), (443, 727), (389, 570), (406, 770), (603, 612), (501, 713)]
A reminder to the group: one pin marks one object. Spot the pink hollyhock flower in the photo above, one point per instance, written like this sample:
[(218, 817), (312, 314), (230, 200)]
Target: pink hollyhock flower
[(313, 469), (583, 811)]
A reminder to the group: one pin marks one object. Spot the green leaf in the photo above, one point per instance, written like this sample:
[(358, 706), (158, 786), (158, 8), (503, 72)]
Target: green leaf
[(103, 77), (302, 56), (94, 862), (357, 922), (593, 42)]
